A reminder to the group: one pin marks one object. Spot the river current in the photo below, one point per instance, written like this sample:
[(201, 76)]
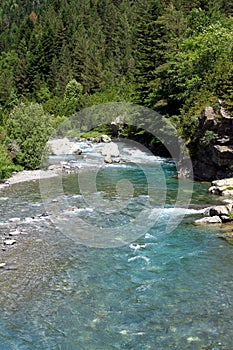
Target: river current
[(162, 289)]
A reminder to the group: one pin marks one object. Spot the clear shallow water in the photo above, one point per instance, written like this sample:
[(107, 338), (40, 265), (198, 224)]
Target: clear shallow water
[(162, 291)]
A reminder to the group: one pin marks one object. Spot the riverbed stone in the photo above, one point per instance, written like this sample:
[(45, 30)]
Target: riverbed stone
[(223, 182), (219, 210), (10, 241), (78, 151), (111, 149), (14, 219), (105, 138), (14, 233), (208, 220), (222, 187), (226, 218), (11, 266), (227, 193), (108, 159)]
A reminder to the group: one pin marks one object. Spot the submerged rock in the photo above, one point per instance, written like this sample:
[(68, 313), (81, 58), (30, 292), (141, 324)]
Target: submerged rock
[(228, 236)]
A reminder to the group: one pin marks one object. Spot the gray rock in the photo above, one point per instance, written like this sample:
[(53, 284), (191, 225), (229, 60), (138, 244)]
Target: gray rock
[(208, 220), (222, 187), (14, 219), (10, 241), (218, 210), (108, 159), (78, 151), (224, 113), (213, 146), (227, 193), (14, 233), (223, 182), (226, 218), (111, 149), (105, 138), (11, 267)]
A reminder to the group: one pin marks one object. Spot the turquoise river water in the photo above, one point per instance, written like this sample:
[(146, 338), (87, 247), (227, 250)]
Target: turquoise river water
[(162, 290)]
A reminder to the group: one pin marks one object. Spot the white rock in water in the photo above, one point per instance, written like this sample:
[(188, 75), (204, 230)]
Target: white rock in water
[(9, 241), (218, 210), (208, 220), (2, 265), (28, 219), (108, 159), (14, 219), (111, 149), (14, 233), (105, 138)]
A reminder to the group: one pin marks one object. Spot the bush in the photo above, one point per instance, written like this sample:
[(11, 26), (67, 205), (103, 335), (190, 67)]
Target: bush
[(6, 165), (29, 128)]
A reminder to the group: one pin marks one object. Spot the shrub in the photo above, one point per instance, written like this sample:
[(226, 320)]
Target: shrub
[(29, 128)]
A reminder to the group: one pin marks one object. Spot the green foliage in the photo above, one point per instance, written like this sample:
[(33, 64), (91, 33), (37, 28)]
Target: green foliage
[(5, 161), (72, 97), (173, 56), (29, 128), (73, 90), (208, 138)]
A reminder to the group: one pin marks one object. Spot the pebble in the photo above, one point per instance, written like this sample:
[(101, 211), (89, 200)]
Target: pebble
[(9, 241), (14, 219), (11, 266), (14, 233), (2, 265), (28, 219)]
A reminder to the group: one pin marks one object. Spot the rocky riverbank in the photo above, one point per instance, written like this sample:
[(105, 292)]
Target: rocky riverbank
[(65, 147), (221, 214), (212, 145)]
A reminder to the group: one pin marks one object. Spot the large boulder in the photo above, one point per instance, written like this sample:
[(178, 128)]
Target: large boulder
[(111, 149), (64, 146)]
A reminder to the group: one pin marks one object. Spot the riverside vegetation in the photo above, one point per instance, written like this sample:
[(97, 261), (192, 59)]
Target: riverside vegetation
[(57, 58)]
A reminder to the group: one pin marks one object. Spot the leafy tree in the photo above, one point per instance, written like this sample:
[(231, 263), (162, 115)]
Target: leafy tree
[(29, 128), (73, 90), (197, 58), (72, 97)]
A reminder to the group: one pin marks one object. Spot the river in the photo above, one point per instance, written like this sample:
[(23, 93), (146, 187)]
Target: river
[(150, 289)]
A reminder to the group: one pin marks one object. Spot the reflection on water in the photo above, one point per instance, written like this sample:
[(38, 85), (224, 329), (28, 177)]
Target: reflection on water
[(163, 291)]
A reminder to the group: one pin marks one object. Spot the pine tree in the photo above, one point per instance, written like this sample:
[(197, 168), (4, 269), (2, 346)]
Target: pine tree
[(149, 50), (21, 74)]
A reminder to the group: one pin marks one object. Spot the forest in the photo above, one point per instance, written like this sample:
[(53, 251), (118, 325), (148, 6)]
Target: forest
[(59, 57)]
